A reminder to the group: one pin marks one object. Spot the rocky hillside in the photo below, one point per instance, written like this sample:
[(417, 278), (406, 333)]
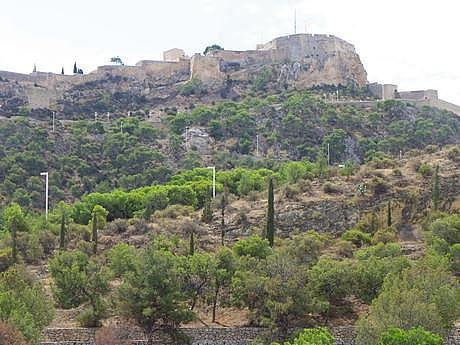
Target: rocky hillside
[(257, 132)]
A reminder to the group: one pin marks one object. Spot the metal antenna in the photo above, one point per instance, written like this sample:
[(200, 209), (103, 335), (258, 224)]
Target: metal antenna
[(295, 21)]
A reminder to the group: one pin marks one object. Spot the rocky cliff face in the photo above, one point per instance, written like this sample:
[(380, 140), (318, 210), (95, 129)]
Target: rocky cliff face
[(301, 61)]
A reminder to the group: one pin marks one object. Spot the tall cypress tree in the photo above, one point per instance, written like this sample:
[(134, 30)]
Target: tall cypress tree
[(94, 237), (14, 244), (270, 233), (75, 69), (192, 243), (207, 210), (223, 203), (389, 220), (62, 70), (62, 233), (436, 194)]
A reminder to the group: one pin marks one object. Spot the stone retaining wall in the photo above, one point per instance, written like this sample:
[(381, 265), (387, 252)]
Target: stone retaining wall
[(199, 336)]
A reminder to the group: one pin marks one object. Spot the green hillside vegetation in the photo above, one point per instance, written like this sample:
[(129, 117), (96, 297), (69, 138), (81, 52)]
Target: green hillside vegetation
[(133, 231), (89, 156)]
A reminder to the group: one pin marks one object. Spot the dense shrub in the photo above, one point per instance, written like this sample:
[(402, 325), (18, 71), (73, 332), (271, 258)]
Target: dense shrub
[(24, 303), (357, 237), (425, 295), (122, 259), (254, 246), (417, 335), (313, 336)]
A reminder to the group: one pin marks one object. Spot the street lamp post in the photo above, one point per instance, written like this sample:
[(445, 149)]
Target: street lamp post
[(213, 181), (46, 193)]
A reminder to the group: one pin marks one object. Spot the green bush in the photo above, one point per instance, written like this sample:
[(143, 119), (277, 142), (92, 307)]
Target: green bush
[(331, 279), (425, 170), (425, 295), (24, 304), (385, 235), (455, 253), (6, 259), (192, 87), (254, 246), (313, 336), (447, 228), (357, 237), (122, 259), (380, 250), (67, 270), (413, 336)]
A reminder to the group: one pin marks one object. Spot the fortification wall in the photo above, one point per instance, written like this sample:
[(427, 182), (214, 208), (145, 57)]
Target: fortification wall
[(206, 68), (200, 336), (419, 95)]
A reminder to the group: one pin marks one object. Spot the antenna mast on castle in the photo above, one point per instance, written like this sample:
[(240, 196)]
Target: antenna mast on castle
[(295, 21)]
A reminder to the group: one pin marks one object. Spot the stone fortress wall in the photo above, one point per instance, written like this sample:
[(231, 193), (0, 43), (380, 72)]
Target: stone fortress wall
[(306, 59), (344, 335), (419, 97)]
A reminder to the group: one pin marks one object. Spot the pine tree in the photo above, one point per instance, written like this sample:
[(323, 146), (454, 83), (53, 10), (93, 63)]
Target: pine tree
[(62, 233), (389, 220), (436, 196), (271, 213), (75, 69), (94, 237), (62, 70)]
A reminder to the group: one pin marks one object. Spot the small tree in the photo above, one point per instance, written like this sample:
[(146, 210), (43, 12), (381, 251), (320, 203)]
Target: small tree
[(436, 196), (116, 60), (75, 69), (212, 48), (78, 280), (270, 231), (153, 294), (98, 222), (14, 221), (223, 274), (62, 70)]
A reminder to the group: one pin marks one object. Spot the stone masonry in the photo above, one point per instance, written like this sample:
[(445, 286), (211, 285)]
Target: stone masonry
[(199, 336), (303, 59)]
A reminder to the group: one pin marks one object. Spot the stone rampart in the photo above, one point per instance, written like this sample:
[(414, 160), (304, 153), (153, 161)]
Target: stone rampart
[(199, 336)]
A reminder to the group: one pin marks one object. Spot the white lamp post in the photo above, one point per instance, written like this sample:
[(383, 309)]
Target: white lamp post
[(213, 181), (46, 193)]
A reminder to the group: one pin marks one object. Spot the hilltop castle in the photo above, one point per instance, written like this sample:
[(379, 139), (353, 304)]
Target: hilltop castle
[(303, 60)]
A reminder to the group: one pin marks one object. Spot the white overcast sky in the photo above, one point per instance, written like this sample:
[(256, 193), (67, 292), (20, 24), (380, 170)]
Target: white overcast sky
[(412, 43)]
